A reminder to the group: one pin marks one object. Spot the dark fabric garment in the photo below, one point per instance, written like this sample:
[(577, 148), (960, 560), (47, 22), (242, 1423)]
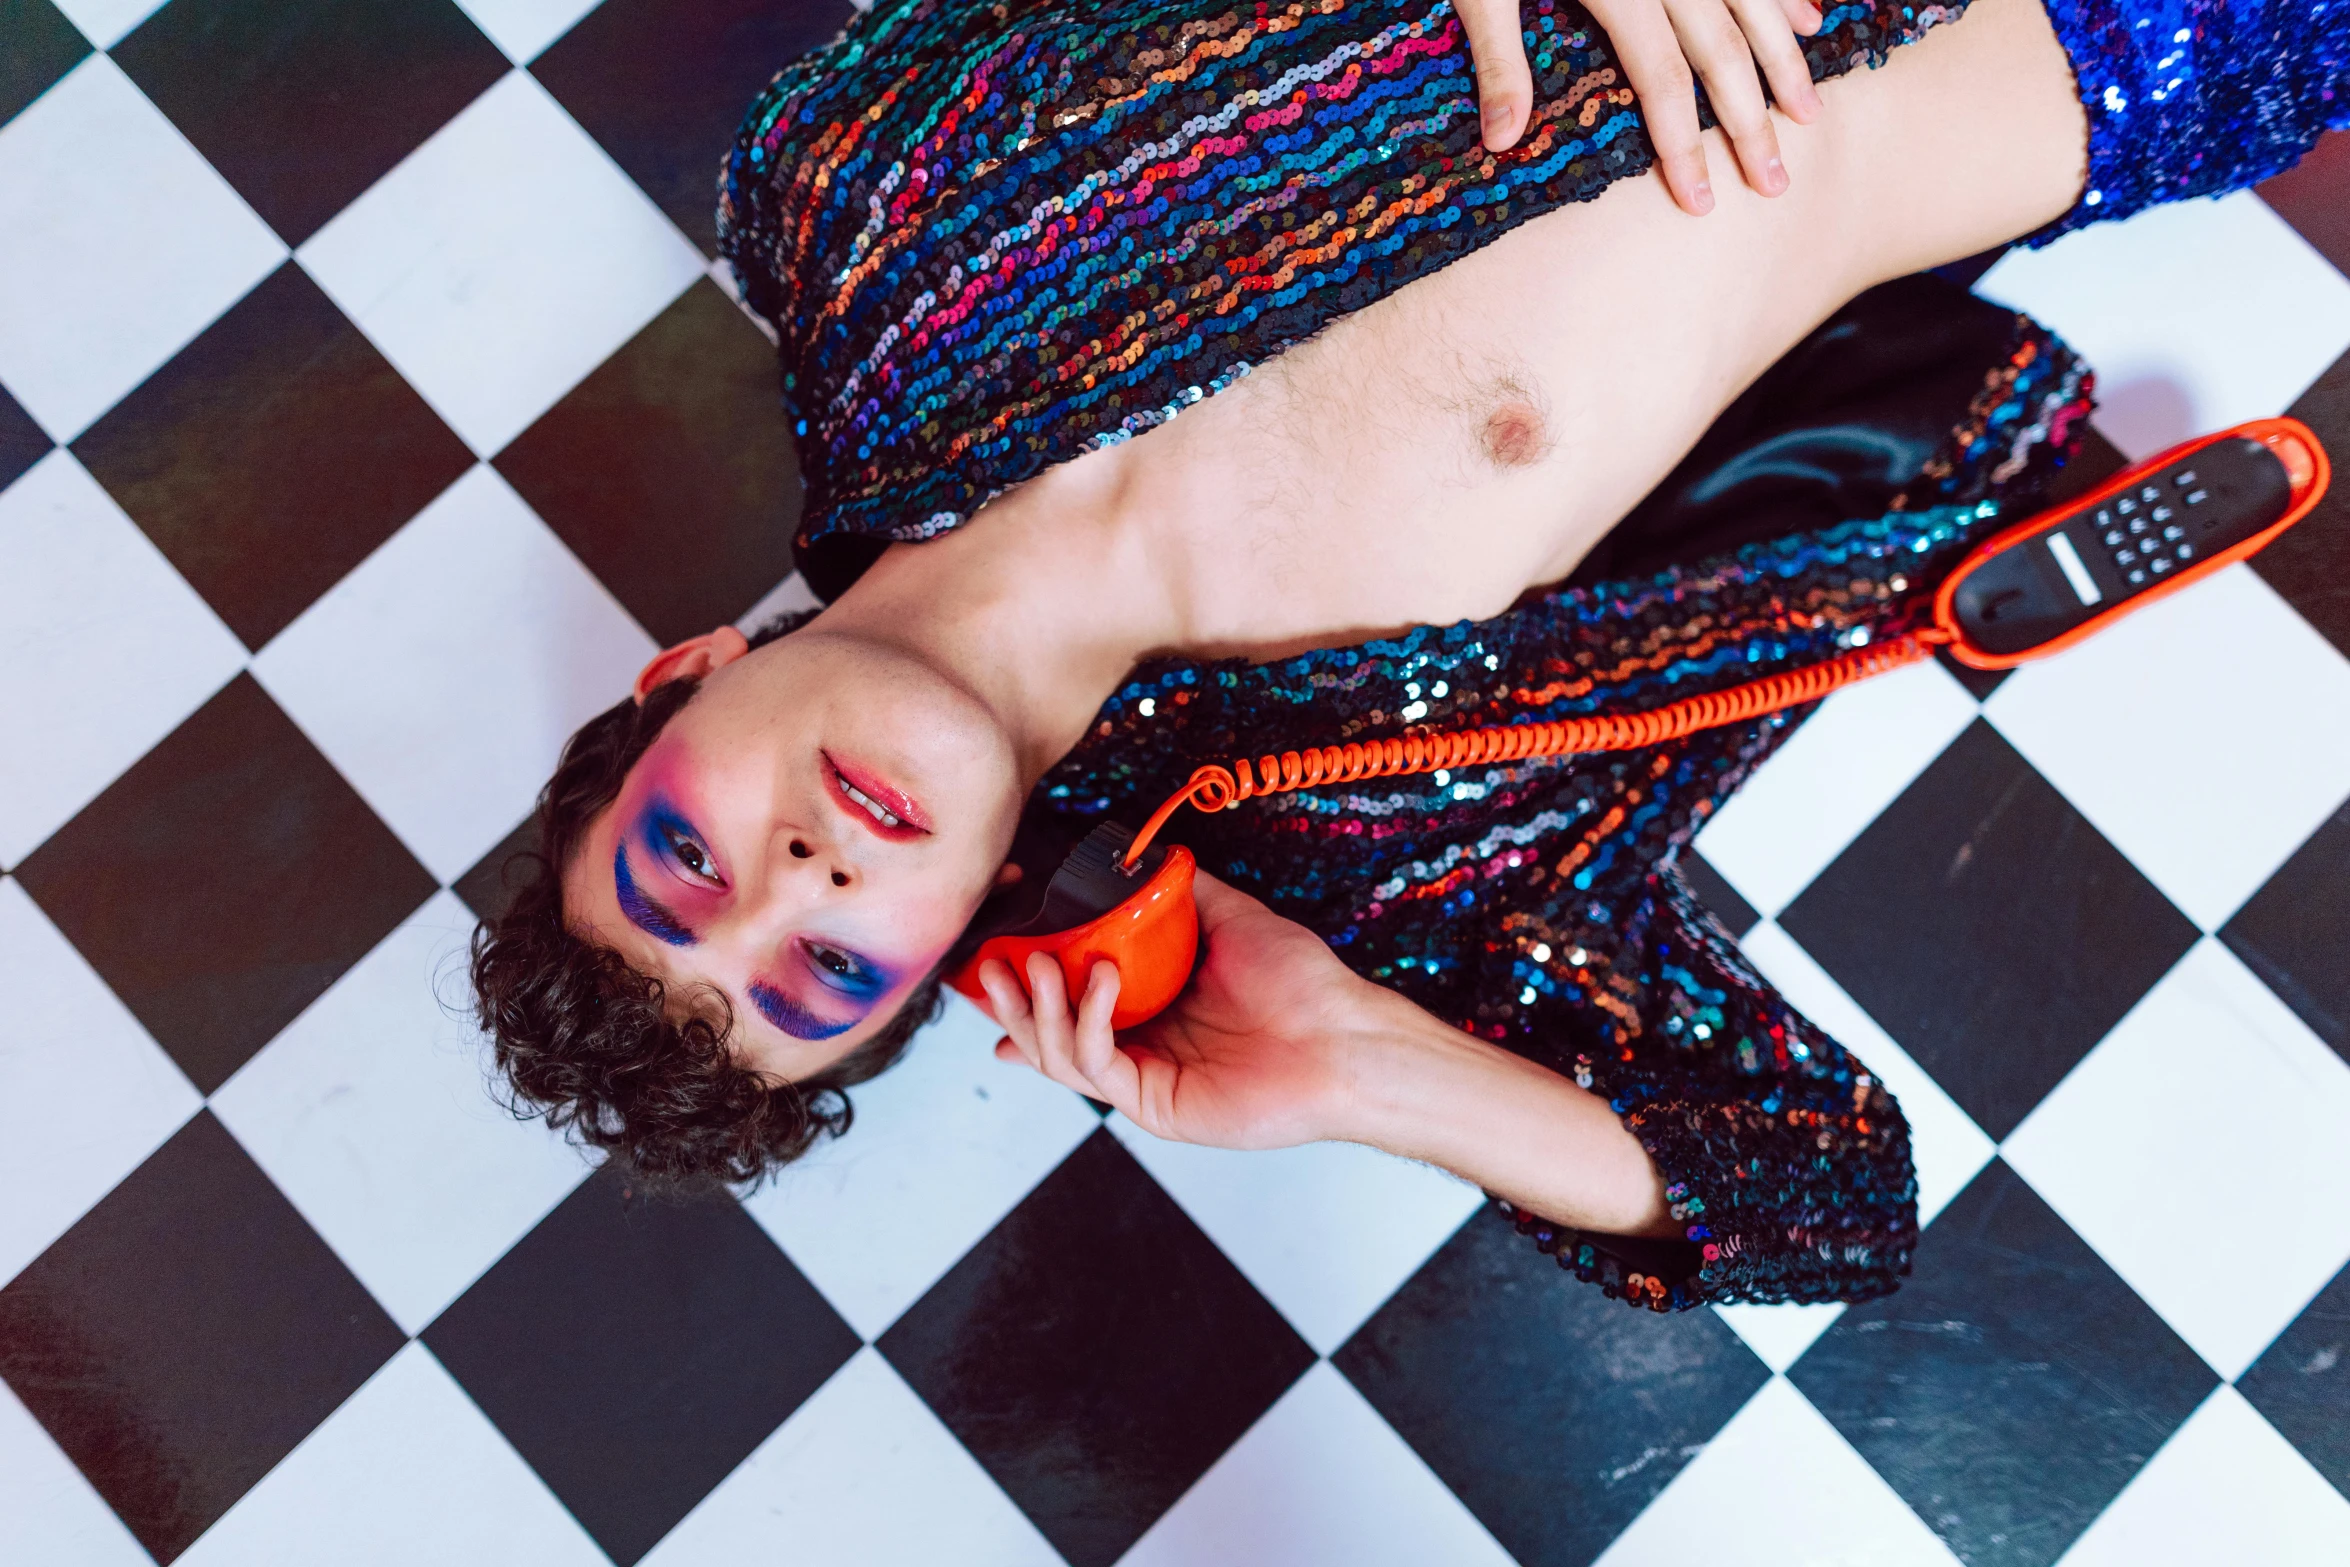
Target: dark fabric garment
[(1538, 904)]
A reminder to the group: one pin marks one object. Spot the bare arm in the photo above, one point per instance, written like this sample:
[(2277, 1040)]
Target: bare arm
[(1517, 1129), (1276, 1043)]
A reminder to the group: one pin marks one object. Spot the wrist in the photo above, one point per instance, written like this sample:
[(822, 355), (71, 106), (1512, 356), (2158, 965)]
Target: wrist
[(1402, 1064)]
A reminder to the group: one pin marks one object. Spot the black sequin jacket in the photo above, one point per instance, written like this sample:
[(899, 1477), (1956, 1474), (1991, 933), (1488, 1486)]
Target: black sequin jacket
[(1541, 905)]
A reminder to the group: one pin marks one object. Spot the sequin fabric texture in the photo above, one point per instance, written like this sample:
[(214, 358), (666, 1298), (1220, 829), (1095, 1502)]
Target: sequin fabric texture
[(2199, 97), (993, 237), (1537, 905)]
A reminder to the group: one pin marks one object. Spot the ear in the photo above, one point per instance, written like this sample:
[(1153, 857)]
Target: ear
[(692, 659), (1008, 875)]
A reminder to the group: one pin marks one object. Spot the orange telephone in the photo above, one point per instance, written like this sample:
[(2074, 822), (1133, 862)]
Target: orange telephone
[(2031, 590)]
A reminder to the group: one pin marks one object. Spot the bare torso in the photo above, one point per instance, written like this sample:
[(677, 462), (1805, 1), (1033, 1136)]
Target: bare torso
[(1471, 436)]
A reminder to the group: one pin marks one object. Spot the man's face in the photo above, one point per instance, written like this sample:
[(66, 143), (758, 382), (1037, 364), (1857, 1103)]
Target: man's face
[(808, 836)]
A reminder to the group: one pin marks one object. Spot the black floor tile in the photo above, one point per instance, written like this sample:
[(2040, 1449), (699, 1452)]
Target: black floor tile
[(634, 1350), (180, 1339), (489, 886), (224, 881), (1096, 1353), (2315, 197), (669, 471), (22, 442), (303, 104), (1555, 1413), (1991, 930), (663, 86), (2014, 1383), (2093, 462), (41, 46), (1717, 896), (272, 455), (2301, 1383), (2309, 565), (2295, 934), (1980, 683)]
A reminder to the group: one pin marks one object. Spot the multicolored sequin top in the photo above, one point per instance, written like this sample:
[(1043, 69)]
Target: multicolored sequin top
[(1537, 905), (993, 237)]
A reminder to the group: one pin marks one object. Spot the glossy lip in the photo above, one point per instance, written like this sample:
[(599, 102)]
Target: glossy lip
[(917, 824)]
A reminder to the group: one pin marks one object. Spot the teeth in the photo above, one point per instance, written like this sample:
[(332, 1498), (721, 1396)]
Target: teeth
[(880, 814)]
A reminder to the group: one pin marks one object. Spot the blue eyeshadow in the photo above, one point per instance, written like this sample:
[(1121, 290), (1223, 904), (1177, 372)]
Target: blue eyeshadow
[(791, 1017), (646, 915)]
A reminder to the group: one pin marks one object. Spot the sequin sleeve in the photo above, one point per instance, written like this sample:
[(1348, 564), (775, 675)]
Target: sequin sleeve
[(1785, 1161)]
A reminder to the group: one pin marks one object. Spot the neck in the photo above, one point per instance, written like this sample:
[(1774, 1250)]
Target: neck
[(1039, 606)]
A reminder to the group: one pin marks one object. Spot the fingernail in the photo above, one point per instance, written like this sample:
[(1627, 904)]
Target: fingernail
[(1775, 175), (1703, 195)]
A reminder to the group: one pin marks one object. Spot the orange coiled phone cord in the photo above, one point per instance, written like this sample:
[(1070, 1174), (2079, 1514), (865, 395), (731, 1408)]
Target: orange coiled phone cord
[(1215, 787)]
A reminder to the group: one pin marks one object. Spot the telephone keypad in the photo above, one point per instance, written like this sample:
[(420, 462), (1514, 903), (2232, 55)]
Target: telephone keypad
[(2142, 530), (2092, 561)]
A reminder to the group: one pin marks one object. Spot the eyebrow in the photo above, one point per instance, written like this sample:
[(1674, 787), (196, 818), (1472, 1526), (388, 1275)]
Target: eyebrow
[(792, 1018), (646, 915)]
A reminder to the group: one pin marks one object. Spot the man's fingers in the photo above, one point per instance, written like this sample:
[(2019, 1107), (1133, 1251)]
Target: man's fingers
[(1658, 74), (1053, 1024), (1780, 56), (1505, 82), (1219, 900), (1012, 1011), (1096, 1047), (1717, 47)]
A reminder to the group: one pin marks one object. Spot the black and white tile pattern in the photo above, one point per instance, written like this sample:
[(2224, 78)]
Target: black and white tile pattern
[(370, 408)]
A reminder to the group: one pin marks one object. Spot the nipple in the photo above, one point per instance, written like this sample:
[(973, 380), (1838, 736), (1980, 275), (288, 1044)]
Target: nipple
[(1515, 435)]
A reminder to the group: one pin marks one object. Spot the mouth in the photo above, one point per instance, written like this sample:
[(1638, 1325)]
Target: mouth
[(875, 804)]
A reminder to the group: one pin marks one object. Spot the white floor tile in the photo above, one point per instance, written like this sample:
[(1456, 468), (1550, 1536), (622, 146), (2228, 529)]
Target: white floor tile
[(1779, 1488), (373, 1114), (1864, 746), (524, 27), (861, 1475), (501, 261), (2207, 737), (85, 1094), (1780, 1334), (118, 243), (945, 1144), (2196, 316), (444, 674), (2225, 1489), (1319, 1478), (107, 22), (104, 648), (1326, 1231), (2201, 1148), (1947, 1145), (48, 1513), (407, 1471)]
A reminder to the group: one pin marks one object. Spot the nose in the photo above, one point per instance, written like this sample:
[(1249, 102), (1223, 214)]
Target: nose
[(802, 849)]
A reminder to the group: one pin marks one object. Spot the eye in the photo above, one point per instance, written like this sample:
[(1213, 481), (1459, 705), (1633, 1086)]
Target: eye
[(845, 971), (688, 852)]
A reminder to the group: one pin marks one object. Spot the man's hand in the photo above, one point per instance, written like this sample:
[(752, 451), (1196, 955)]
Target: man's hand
[(1276, 1042), (1261, 1050), (1665, 45)]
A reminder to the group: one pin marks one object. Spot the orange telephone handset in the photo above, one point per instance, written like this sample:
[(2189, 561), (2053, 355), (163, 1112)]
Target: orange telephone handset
[(1138, 913), (2031, 590)]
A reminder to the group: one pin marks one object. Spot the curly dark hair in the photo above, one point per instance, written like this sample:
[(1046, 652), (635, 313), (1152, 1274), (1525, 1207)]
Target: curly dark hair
[(589, 1043)]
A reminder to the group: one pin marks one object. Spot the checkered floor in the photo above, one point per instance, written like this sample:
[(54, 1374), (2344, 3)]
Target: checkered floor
[(372, 410)]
